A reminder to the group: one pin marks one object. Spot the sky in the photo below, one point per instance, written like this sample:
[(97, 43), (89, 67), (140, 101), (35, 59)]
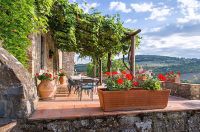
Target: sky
[(169, 27)]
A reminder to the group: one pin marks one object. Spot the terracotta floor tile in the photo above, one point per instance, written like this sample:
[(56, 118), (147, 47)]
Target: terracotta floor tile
[(70, 107)]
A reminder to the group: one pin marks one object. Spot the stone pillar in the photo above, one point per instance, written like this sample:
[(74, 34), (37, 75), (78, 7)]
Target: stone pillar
[(18, 94), (34, 53), (68, 63)]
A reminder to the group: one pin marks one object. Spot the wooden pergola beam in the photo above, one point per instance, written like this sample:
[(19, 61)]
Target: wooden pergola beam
[(129, 35), (132, 37)]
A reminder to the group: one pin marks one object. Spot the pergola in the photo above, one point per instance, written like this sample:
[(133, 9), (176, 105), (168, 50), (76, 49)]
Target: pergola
[(132, 50)]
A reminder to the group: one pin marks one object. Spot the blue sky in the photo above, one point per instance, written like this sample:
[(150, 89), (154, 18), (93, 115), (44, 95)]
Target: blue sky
[(169, 27)]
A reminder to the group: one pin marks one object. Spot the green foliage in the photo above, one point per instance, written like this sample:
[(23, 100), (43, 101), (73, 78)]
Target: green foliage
[(91, 35), (113, 84), (44, 76), (151, 84), (116, 65), (19, 18), (74, 30)]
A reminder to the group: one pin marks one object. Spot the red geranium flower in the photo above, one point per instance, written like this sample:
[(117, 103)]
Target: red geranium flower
[(123, 72), (135, 84), (129, 76), (120, 81), (46, 74), (161, 77), (108, 73), (50, 75), (37, 74), (179, 73), (114, 73)]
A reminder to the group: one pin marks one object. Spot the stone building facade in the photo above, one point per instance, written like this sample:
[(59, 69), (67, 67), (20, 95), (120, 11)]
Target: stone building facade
[(18, 92), (43, 54)]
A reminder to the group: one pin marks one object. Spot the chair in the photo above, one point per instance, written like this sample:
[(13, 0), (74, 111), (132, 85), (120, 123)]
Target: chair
[(87, 85), (72, 84)]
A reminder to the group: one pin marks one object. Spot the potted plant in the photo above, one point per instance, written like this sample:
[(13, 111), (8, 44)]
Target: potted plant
[(124, 92), (173, 77), (62, 77), (142, 76), (47, 87)]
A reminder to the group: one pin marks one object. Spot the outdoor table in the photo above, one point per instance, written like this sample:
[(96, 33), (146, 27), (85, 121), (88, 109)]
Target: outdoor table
[(78, 79)]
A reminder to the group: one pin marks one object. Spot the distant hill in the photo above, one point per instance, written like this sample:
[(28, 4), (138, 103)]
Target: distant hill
[(190, 68), (163, 64)]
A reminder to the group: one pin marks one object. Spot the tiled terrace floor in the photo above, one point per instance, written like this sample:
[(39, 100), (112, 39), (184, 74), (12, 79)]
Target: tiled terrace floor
[(70, 107)]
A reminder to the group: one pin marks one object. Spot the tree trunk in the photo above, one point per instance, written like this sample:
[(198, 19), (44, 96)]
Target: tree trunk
[(109, 62)]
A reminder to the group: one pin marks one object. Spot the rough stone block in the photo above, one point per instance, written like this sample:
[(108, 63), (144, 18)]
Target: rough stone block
[(2, 108), (16, 86)]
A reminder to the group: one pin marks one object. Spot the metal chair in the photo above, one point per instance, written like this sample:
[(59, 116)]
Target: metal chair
[(87, 85), (71, 85)]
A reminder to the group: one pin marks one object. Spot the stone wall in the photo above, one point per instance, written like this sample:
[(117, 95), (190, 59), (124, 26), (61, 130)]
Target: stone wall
[(185, 90), (68, 62), (187, 121), (34, 53), (18, 94), (60, 60)]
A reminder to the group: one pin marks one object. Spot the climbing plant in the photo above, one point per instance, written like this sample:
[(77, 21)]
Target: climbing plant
[(74, 30), (20, 18), (91, 35)]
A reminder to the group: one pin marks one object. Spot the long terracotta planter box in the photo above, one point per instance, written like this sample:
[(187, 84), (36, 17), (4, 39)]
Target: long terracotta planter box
[(133, 99)]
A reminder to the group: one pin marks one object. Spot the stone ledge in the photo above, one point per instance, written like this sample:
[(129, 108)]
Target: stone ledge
[(8, 126), (185, 90), (147, 122)]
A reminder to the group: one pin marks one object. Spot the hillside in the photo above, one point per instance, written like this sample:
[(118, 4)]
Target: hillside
[(190, 68)]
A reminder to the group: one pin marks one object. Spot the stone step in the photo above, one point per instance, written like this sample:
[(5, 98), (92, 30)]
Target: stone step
[(61, 92), (61, 95), (8, 127)]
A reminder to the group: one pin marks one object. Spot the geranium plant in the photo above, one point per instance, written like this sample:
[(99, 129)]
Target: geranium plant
[(151, 84), (61, 73), (117, 81), (172, 75), (125, 81), (44, 76)]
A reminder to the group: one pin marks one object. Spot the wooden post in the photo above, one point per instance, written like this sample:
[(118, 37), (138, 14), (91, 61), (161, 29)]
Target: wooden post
[(100, 71), (94, 68), (132, 56), (109, 62)]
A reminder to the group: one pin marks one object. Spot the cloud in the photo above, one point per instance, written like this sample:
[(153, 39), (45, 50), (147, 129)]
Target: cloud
[(190, 9), (187, 29), (144, 7), (119, 6), (173, 45), (131, 20), (88, 6), (72, 1), (159, 12), (172, 40)]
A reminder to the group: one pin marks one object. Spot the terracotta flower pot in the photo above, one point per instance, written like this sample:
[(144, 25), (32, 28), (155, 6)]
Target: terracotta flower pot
[(63, 80), (47, 89), (133, 99)]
